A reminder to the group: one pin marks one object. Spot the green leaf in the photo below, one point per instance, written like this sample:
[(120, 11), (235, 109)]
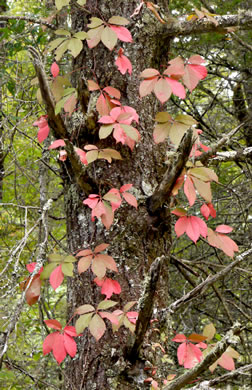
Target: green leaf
[(186, 119), (119, 20), (129, 305), (161, 132), (55, 257), (91, 156), (75, 46), (209, 331), (67, 269), (61, 3), (105, 131), (81, 2), (63, 32), (61, 50), (162, 117), (47, 270), (84, 309), (83, 322), (95, 22), (81, 35), (55, 43), (97, 327), (130, 131), (106, 304), (69, 259), (109, 38)]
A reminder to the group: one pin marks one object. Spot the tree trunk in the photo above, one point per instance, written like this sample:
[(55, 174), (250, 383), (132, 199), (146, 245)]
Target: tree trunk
[(136, 238)]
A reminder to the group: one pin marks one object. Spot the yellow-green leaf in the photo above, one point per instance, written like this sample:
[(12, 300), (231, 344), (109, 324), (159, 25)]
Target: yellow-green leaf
[(83, 322), (109, 38), (67, 269), (61, 3), (75, 46), (119, 20)]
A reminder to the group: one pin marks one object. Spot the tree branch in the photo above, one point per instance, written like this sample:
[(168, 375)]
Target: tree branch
[(214, 355), (145, 308), (242, 21), (57, 125), (28, 19), (206, 283), (164, 189)]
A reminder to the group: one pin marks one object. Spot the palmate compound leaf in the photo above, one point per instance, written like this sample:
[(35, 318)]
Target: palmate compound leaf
[(173, 128), (192, 226), (60, 344)]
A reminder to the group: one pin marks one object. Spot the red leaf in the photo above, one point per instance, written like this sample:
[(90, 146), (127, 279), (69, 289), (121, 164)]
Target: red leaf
[(56, 144), (109, 286), (56, 277), (70, 330), (48, 343), (122, 33), (70, 345), (92, 200), (181, 353), (192, 226), (125, 187), (54, 324), (59, 351), (212, 210), (33, 292), (55, 69), (179, 338), (224, 229), (31, 267)]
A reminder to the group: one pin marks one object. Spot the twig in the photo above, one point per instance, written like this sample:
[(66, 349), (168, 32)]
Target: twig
[(28, 19)]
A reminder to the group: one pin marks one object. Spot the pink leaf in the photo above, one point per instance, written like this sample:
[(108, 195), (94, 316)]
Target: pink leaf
[(162, 90), (56, 144), (54, 324), (82, 155), (92, 85), (56, 277), (43, 133), (130, 199), (147, 86), (122, 33), (113, 92), (224, 229), (110, 316), (181, 353), (92, 200), (125, 187), (123, 64), (176, 87), (226, 361), (109, 286), (205, 211), (102, 105), (106, 119), (189, 191), (31, 267), (180, 226), (55, 69)]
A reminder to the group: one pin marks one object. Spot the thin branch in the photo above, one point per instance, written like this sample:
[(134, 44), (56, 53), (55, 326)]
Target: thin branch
[(28, 19), (231, 375), (204, 157), (242, 43), (175, 167), (243, 21), (216, 352), (201, 288)]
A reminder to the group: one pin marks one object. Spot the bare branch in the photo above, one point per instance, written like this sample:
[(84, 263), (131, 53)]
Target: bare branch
[(28, 19), (243, 21), (206, 283), (164, 189)]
